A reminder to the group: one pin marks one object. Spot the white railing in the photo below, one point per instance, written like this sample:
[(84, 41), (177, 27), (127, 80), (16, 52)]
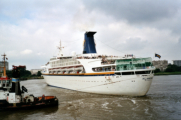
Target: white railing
[(110, 69)]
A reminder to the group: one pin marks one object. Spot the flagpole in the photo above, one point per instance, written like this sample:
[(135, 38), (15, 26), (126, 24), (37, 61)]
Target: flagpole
[(153, 56)]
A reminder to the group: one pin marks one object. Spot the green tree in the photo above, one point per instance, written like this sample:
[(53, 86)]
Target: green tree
[(24, 73), (9, 73), (27, 73), (157, 70), (39, 73), (173, 68), (168, 69)]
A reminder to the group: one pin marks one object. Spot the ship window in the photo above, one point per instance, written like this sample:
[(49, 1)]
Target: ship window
[(4, 81), (142, 72), (125, 67), (7, 81), (127, 73), (118, 73)]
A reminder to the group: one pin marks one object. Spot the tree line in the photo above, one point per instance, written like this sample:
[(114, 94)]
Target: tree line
[(24, 74), (170, 68)]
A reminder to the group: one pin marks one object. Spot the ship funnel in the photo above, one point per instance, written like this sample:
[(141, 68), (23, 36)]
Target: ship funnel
[(89, 43)]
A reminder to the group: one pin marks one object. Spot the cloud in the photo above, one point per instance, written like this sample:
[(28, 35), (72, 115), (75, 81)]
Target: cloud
[(40, 53), (158, 14), (135, 11), (25, 52), (134, 43), (83, 20), (138, 27)]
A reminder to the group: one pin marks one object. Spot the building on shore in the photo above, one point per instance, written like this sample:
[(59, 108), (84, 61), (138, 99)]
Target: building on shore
[(177, 62), (2, 66), (35, 71), (160, 64)]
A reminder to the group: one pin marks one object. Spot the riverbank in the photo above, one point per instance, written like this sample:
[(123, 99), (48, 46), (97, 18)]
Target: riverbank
[(31, 78), (36, 78), (167, 73)]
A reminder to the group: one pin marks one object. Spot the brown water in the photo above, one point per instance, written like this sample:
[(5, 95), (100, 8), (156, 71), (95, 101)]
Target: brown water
[(163, 101)]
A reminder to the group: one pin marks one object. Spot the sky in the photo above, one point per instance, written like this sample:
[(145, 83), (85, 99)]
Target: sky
[(30, 31)]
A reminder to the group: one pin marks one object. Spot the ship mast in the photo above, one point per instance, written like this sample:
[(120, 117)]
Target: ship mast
[(60, 53), (4, 59)]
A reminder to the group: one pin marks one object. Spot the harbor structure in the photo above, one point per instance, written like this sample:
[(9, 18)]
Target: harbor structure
[(177, 62), (2, 65), (160, 64), (35, 71)]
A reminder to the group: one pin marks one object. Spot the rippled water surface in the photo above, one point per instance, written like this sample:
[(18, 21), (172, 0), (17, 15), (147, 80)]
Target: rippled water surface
[(163, 101)]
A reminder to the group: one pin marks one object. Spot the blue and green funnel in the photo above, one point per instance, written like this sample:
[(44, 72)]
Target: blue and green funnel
[(89, 43)]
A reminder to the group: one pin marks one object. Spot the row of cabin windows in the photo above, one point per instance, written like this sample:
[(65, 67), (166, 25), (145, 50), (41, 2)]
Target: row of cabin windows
[(4, 81), (138, 64), (131, 67), (132, 73), (59, 72), (53, 64), (64, 61)]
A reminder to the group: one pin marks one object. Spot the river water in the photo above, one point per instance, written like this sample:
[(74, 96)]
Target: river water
[(163, 101)]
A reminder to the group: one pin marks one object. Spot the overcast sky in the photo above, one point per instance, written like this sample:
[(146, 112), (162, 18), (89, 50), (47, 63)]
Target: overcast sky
[(30, 30)]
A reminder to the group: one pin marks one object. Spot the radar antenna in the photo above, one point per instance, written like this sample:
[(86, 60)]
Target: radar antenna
[(4, 60), (60, 53)]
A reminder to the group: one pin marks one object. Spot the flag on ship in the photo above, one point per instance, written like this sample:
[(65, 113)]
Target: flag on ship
[(157, 55)]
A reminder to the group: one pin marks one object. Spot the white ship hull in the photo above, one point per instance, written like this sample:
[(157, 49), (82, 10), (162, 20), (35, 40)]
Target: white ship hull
[(129, 85), (100, 74)]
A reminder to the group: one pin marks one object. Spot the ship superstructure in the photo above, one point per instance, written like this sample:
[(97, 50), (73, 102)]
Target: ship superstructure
[(101, 74)]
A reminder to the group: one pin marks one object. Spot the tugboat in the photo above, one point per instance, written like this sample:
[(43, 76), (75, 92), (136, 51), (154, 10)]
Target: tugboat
[(12, 95)]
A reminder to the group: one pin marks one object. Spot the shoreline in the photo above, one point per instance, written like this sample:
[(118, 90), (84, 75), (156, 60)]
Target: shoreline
[(31, 78), (167, 73)]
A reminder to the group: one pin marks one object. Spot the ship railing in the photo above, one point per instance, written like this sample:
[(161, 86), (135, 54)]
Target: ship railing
[(112, 69), (67, 71), (70, 69), (80, 56), (103, 70), (144, 67), (72, 72), (78, 68), (59, 72), (137, 68), (113, 57), (107, 63), (56, 70)]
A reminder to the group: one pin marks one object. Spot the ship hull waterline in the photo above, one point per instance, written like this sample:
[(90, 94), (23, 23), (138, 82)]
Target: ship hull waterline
[(127, 85)]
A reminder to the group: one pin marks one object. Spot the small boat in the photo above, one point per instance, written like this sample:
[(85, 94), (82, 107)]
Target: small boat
[(12, 96), (38, 102)]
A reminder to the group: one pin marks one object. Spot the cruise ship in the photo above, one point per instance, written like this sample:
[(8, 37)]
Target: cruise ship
[(101, 74)]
